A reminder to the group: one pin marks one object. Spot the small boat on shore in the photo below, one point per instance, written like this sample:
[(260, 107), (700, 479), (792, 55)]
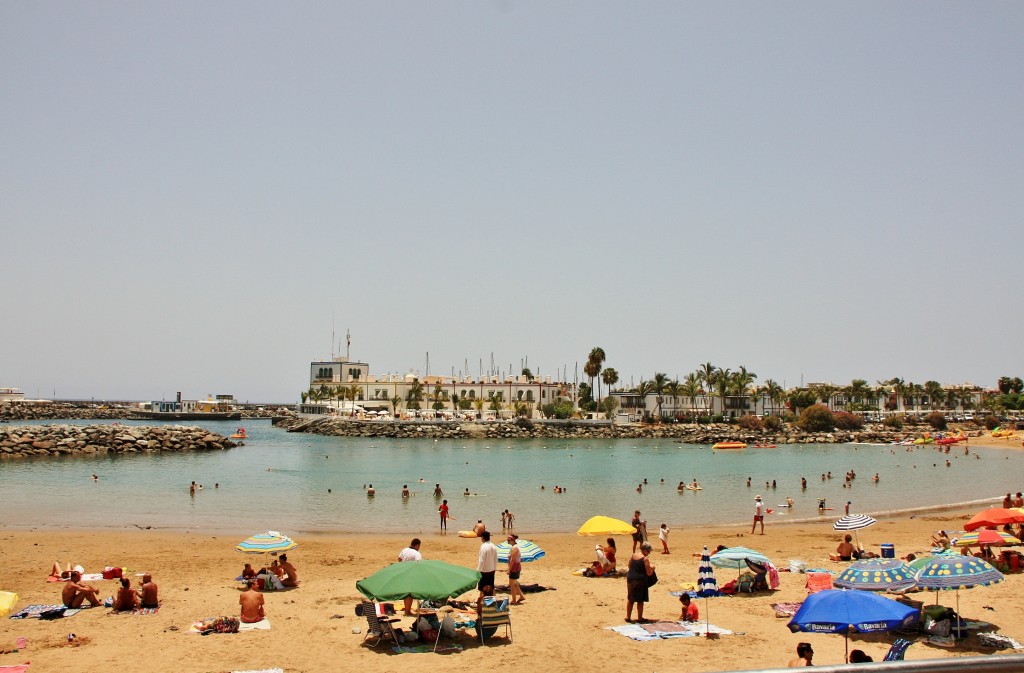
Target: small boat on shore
[(729, 445)]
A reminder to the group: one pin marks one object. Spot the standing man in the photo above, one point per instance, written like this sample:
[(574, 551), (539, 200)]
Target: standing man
[(488, 561), (443, 511), (758, 515), (640, 526), (410, 553)]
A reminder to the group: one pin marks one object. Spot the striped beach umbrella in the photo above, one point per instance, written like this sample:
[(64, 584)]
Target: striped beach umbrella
[(737, 557), (707, 586), (876, 575), (527, 550), (986, 538), (270, 542), (945, 572), (854, 522)]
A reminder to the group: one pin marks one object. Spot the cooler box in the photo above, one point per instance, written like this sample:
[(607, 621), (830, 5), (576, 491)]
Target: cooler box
[(888, 551)]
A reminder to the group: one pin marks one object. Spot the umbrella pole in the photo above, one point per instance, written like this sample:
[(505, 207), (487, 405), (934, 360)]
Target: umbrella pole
[(707, 618)]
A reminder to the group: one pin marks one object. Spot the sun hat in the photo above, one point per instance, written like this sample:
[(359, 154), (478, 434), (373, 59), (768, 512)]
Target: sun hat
[(757, 497)]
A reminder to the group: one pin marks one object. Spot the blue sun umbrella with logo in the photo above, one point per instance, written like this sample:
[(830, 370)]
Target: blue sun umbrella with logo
[(843, 611)]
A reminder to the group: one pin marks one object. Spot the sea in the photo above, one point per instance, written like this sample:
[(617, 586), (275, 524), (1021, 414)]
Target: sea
[(294, 482)]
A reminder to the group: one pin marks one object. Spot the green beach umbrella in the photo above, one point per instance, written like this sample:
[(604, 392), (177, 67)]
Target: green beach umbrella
[(423, 580)]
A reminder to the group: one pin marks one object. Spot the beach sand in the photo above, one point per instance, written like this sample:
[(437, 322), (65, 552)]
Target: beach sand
[(562, 630)]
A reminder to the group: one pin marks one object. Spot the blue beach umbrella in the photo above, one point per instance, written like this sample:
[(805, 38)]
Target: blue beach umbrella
[(876, 575), (842, 611), (270, 542), (707, 586), (528, 551)]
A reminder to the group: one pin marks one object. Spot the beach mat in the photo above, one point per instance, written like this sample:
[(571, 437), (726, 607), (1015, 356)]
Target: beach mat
[(33, 611), (145, 611), (785, 609), (666, 630)]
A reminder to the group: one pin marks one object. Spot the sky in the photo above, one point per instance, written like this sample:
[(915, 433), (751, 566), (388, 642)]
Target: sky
[(194, 196)]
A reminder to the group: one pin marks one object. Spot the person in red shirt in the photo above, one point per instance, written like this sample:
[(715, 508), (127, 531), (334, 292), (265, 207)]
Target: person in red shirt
[(443, 511), (689, 610)]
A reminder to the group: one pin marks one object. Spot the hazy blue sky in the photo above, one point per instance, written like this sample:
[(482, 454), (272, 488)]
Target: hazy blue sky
[(192, 193)]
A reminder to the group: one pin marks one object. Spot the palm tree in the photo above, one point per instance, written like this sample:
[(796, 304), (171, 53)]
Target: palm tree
[(720, 384), (610, 378), (479, 404), (597, 357), (691, 389), (673, 389), (395, 401), (658, 385), (706, 375), (643, 389), (415, 395), (741, 382), (591, 369), (935, 393), (304, 396), (774, 393), (826, 392)]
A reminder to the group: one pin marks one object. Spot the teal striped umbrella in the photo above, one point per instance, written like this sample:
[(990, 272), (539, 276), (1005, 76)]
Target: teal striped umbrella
[(527, 550), (270, 542)]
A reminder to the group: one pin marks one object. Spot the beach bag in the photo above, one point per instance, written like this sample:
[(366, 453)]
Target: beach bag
[(111, 573), (652, 579)]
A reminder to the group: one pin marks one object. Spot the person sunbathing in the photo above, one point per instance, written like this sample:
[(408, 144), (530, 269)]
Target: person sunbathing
[(75, 593), (57, 574), (125, 598), (251, 601)]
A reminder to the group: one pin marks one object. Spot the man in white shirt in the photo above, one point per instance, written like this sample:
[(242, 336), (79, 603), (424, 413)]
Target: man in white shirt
[(488, 563), (410, 553)]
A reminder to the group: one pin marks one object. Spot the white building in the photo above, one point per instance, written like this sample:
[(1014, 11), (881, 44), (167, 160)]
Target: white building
[(11, 395), (347, 387)]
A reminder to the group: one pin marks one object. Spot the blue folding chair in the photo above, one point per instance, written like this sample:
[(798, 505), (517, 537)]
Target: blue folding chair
[(898, 649)]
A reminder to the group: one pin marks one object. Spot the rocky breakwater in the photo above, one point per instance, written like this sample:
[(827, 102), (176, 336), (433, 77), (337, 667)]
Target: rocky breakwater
[(687, 433), (78, 440)]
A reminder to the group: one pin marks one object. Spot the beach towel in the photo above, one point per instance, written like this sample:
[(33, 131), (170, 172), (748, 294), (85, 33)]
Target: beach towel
[(667, 630), (785, 609), (16, 668), (145, 611), (426, 649), (33, 611), (262, 670), (262, 625)]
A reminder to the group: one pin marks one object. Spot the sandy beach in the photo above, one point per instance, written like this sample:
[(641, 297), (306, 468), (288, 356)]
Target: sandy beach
[(563, 629)]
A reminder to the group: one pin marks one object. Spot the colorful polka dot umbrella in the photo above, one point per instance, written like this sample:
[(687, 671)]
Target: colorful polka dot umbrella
[(945, 572), (876, 575)]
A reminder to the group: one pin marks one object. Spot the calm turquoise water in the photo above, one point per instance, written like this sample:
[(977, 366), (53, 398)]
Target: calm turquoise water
[(600, 477)]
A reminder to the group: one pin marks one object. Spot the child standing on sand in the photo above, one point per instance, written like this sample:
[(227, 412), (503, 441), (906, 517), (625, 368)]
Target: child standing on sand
[(663, 536)]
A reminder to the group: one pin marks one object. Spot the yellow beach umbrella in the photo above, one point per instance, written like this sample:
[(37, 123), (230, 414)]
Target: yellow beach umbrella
[(605, 525)]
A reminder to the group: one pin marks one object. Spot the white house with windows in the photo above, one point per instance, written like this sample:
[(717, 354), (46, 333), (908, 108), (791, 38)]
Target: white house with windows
[(341, 386)]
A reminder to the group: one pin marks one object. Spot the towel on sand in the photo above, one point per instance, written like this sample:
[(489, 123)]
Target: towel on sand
[(262, 625), (665, 630), (426, 649)]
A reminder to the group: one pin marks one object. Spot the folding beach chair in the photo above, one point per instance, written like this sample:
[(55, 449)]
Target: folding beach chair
[(379, 626), (495, 614)]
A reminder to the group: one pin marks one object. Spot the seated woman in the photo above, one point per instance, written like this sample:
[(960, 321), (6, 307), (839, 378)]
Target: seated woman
[(248, 573), (126, 599), (941, 540), (606, 556), (486, 592)]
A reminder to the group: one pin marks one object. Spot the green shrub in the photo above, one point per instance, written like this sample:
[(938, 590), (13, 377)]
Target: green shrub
[(937, 420), (816, 418), (560, 410), (893, 422), (773, 423), (750, 422), (844, 420)]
